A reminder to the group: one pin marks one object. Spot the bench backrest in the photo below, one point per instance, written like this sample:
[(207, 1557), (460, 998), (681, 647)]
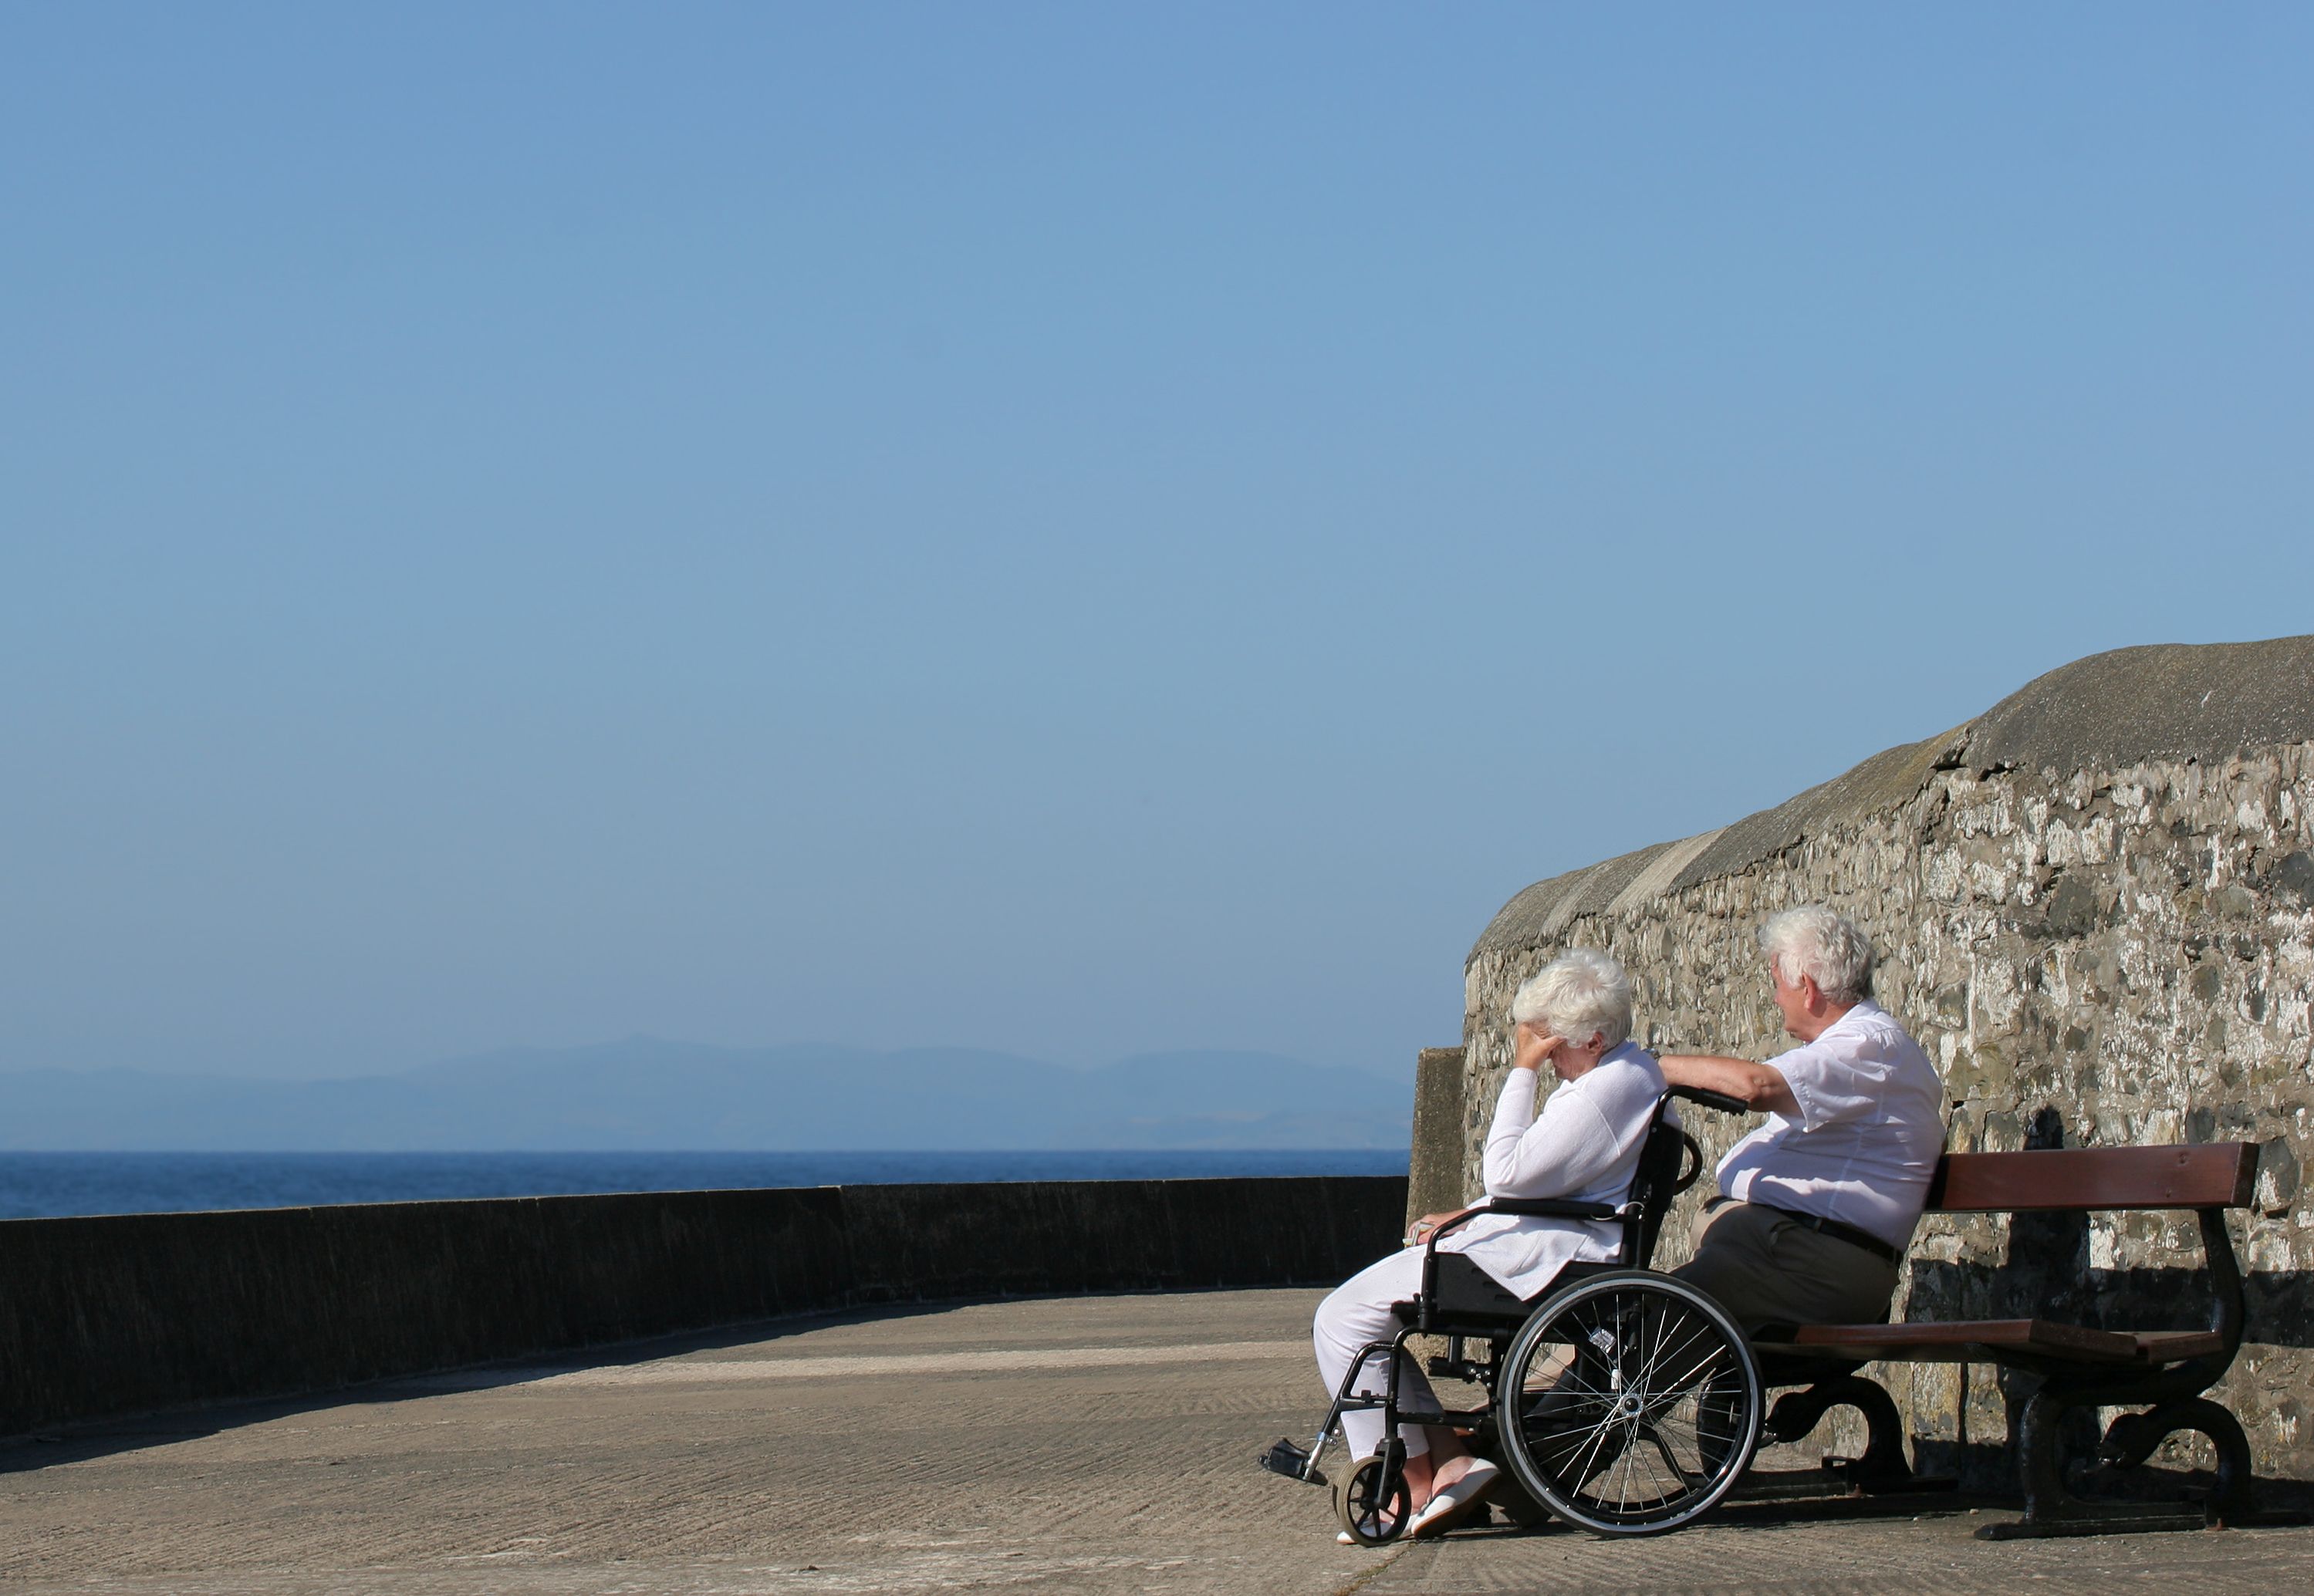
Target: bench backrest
[(2211, 1175)]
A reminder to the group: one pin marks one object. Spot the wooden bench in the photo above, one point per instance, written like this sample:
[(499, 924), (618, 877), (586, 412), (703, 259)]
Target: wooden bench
[(2164, 1372)]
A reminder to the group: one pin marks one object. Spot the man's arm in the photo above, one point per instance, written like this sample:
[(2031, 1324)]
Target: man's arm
[(1761, 1088)]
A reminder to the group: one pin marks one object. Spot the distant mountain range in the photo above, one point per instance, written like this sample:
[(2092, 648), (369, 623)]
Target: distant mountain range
[(647, 1093)]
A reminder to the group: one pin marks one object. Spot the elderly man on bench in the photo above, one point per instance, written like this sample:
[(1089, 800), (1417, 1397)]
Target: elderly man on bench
[(1816, 1206)]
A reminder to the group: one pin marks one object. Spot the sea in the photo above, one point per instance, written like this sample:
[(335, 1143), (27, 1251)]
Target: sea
[(56, 1185)]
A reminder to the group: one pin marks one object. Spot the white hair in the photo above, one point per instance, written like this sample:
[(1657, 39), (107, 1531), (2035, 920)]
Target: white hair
[(1819, 943), (1579, 993)]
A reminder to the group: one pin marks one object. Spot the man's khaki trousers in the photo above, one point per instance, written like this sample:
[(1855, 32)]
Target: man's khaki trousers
[(1764, 1269)]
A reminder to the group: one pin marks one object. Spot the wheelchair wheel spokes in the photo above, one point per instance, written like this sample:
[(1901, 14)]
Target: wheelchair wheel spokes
[(1375, 1512), (1630, 1403)]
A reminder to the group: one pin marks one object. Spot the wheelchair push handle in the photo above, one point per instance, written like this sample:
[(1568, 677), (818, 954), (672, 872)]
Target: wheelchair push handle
[(1710, 1099)]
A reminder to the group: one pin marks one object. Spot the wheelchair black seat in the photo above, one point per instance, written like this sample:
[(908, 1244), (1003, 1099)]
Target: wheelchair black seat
[(1465, 1291), (1467, 1296)]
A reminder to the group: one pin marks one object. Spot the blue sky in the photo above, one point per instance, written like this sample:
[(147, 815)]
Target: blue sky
[(1074, 530)]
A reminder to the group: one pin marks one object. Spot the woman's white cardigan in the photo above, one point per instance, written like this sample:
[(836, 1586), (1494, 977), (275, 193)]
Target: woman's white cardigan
[(1584, 1145)]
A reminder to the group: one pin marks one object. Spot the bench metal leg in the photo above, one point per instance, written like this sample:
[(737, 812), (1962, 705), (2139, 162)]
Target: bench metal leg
[(1882, 1468), (2050, 1508), (2134, 1437)]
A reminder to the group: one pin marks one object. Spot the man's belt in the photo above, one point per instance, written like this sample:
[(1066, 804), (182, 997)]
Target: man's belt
[(1839, 1233)]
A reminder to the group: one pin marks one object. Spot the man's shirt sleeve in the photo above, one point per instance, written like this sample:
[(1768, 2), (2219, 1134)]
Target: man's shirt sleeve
[(1825, 1084)]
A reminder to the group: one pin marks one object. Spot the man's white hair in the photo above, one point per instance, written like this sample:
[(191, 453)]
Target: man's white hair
[(1579, 993), (1818, 942)]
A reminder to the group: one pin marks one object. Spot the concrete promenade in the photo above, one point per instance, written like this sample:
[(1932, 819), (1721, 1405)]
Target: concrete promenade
[(1099, 1444)]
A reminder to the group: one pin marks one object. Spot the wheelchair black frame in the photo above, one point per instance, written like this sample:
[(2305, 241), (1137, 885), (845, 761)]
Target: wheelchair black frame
[(1659, 1180)]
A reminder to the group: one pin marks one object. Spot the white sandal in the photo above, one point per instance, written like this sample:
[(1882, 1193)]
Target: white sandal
[(1448, 1505)]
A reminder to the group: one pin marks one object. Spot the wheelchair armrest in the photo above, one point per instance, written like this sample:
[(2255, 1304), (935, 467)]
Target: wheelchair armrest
[(1708, 1099), (1551, 1208), (1543, 1207)]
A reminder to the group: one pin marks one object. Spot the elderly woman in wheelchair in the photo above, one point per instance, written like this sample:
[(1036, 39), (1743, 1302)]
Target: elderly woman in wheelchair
[(1623, 1400)]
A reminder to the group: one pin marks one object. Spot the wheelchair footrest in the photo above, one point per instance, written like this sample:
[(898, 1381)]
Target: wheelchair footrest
[(1292, 1462)]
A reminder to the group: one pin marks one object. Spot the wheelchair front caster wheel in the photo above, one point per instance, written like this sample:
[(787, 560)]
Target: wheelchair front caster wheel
[(1373, 1516)]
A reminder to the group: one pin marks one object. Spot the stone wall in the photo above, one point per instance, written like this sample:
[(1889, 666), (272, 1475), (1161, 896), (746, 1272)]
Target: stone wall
[(2094, 906)]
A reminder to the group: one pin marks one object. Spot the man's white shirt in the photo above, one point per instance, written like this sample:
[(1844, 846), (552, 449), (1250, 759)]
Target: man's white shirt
[(1865, 1140)]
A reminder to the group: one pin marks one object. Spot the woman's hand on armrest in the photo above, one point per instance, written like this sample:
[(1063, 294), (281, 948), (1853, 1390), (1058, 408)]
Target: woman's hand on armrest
[(1419, 1231), (1762, 1086)]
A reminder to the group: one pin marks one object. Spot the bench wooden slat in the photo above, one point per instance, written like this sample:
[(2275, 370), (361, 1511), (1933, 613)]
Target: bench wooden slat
[(1963, 1341), (2211, 1175), (2167, 1346)]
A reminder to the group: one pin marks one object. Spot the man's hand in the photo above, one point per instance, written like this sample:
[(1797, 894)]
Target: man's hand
[(1535, 1047), (1761, 1088)]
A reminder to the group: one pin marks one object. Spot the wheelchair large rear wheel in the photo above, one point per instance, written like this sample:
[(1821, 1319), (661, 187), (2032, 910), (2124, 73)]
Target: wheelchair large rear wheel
[(1629, 1403)]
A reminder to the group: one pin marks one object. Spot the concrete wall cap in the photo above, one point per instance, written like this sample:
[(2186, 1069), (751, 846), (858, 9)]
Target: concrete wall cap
[(2174, 701)]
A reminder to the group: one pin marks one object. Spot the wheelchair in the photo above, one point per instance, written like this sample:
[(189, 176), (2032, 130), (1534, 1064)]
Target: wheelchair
[(1621, 1400)]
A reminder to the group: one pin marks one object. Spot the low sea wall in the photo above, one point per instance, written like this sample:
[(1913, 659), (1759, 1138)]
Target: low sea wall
[(126, 1314)]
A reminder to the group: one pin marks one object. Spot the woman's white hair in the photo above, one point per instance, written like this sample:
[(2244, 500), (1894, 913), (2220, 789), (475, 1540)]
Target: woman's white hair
[(1818, 942), (1579, 993)]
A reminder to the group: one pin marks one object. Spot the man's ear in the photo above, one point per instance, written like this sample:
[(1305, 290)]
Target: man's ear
[(1813, 993)]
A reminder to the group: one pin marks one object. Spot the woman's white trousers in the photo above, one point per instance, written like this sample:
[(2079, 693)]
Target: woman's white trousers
[(1358, 1312)]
